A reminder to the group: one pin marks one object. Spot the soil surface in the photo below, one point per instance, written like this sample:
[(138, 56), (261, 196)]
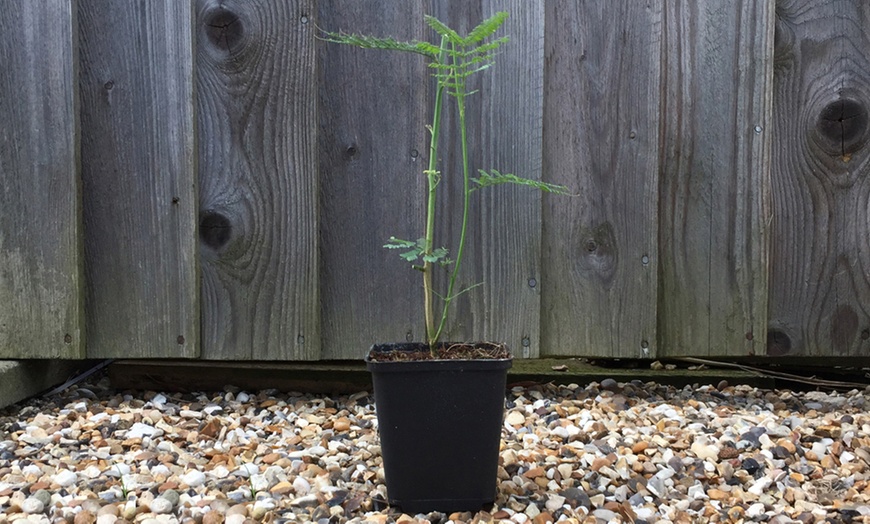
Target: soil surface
[(444, 351)]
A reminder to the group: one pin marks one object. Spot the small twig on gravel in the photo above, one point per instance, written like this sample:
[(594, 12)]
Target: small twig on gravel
[(80, 377), (836, 384)]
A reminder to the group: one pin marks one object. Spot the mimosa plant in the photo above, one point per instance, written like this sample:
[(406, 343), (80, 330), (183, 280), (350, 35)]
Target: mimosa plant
[(454, 61)]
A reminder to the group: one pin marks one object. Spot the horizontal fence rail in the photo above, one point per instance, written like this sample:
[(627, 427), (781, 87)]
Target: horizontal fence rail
[(209, 179)]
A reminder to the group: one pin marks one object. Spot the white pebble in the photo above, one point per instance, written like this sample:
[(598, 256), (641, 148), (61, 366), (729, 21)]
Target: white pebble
[(65, 478), (158, 400), (91, 472), (117, 470), (696, 491), (161, 505), (32, 505), (515, 418), (243, 397), (193, 478), (246, 470), (235, 518), (139, 430), (760, 485), (259, 482), (301, 486), (31, 469), (554, 502), (755, 510), (605, 514), (210, 409), (220, 471), (106, 518), (705, 451)]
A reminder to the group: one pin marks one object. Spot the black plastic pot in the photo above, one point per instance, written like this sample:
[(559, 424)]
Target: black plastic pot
[(440, 427)]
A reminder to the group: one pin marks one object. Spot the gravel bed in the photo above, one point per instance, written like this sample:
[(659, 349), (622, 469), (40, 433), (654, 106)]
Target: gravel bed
[(607, 452)]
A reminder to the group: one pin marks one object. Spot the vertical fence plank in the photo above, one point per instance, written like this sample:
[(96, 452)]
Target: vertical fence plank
[(715, 178), (256, 111), (820, 289), (138, 177), (601, 138), (504, 116), (373, 148), (41, 306)]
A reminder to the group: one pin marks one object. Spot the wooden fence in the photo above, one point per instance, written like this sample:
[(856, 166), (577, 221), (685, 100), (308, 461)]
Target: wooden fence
[(207, 179)]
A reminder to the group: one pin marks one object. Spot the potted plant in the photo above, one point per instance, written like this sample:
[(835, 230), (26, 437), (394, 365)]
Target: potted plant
[(440, 405)]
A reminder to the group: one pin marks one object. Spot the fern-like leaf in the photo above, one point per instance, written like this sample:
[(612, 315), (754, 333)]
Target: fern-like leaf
[(441, 28), (494, 178), (486, 28), (389, 44)]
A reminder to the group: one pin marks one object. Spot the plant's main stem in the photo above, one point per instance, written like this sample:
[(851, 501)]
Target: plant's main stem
[(432, 178), (466, 194)]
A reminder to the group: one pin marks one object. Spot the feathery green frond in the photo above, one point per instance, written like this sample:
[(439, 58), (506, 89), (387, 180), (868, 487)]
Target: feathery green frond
[(486, 28), (389, 44), (494, 178), (441, 28)]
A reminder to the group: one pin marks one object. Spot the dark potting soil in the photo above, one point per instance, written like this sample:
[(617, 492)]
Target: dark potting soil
[(444, 351)]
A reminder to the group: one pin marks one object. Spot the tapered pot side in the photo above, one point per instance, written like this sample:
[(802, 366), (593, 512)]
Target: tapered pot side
[(440, 428)]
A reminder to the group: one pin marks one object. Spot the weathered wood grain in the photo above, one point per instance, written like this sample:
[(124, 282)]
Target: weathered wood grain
[(256, 111), (41, 295), (372, 148), (138, 171), (714, 206), (504, 119), (820, 288), (601, 138)]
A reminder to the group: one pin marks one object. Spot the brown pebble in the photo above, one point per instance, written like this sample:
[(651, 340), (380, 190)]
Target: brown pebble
[(109, 509), (166, 458), (212, 517), (167, 485), (723, 384), (543, 518), (639, 447), (809, 455), (534, 473), (600, 462), (788, 445), (828, 431), (281, 488), (211, 428), (238, 509), (84, 517), (735, 513), (717, 494), (341, 424), (727, 452), (271, 458)]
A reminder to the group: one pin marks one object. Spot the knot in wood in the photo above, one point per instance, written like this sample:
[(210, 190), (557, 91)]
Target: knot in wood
[(214, 229), (223, 28), (842, 127), (778, 343)]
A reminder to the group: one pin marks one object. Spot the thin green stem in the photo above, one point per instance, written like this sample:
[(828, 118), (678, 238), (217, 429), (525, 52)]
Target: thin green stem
[(466, 194), (432, 178)]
